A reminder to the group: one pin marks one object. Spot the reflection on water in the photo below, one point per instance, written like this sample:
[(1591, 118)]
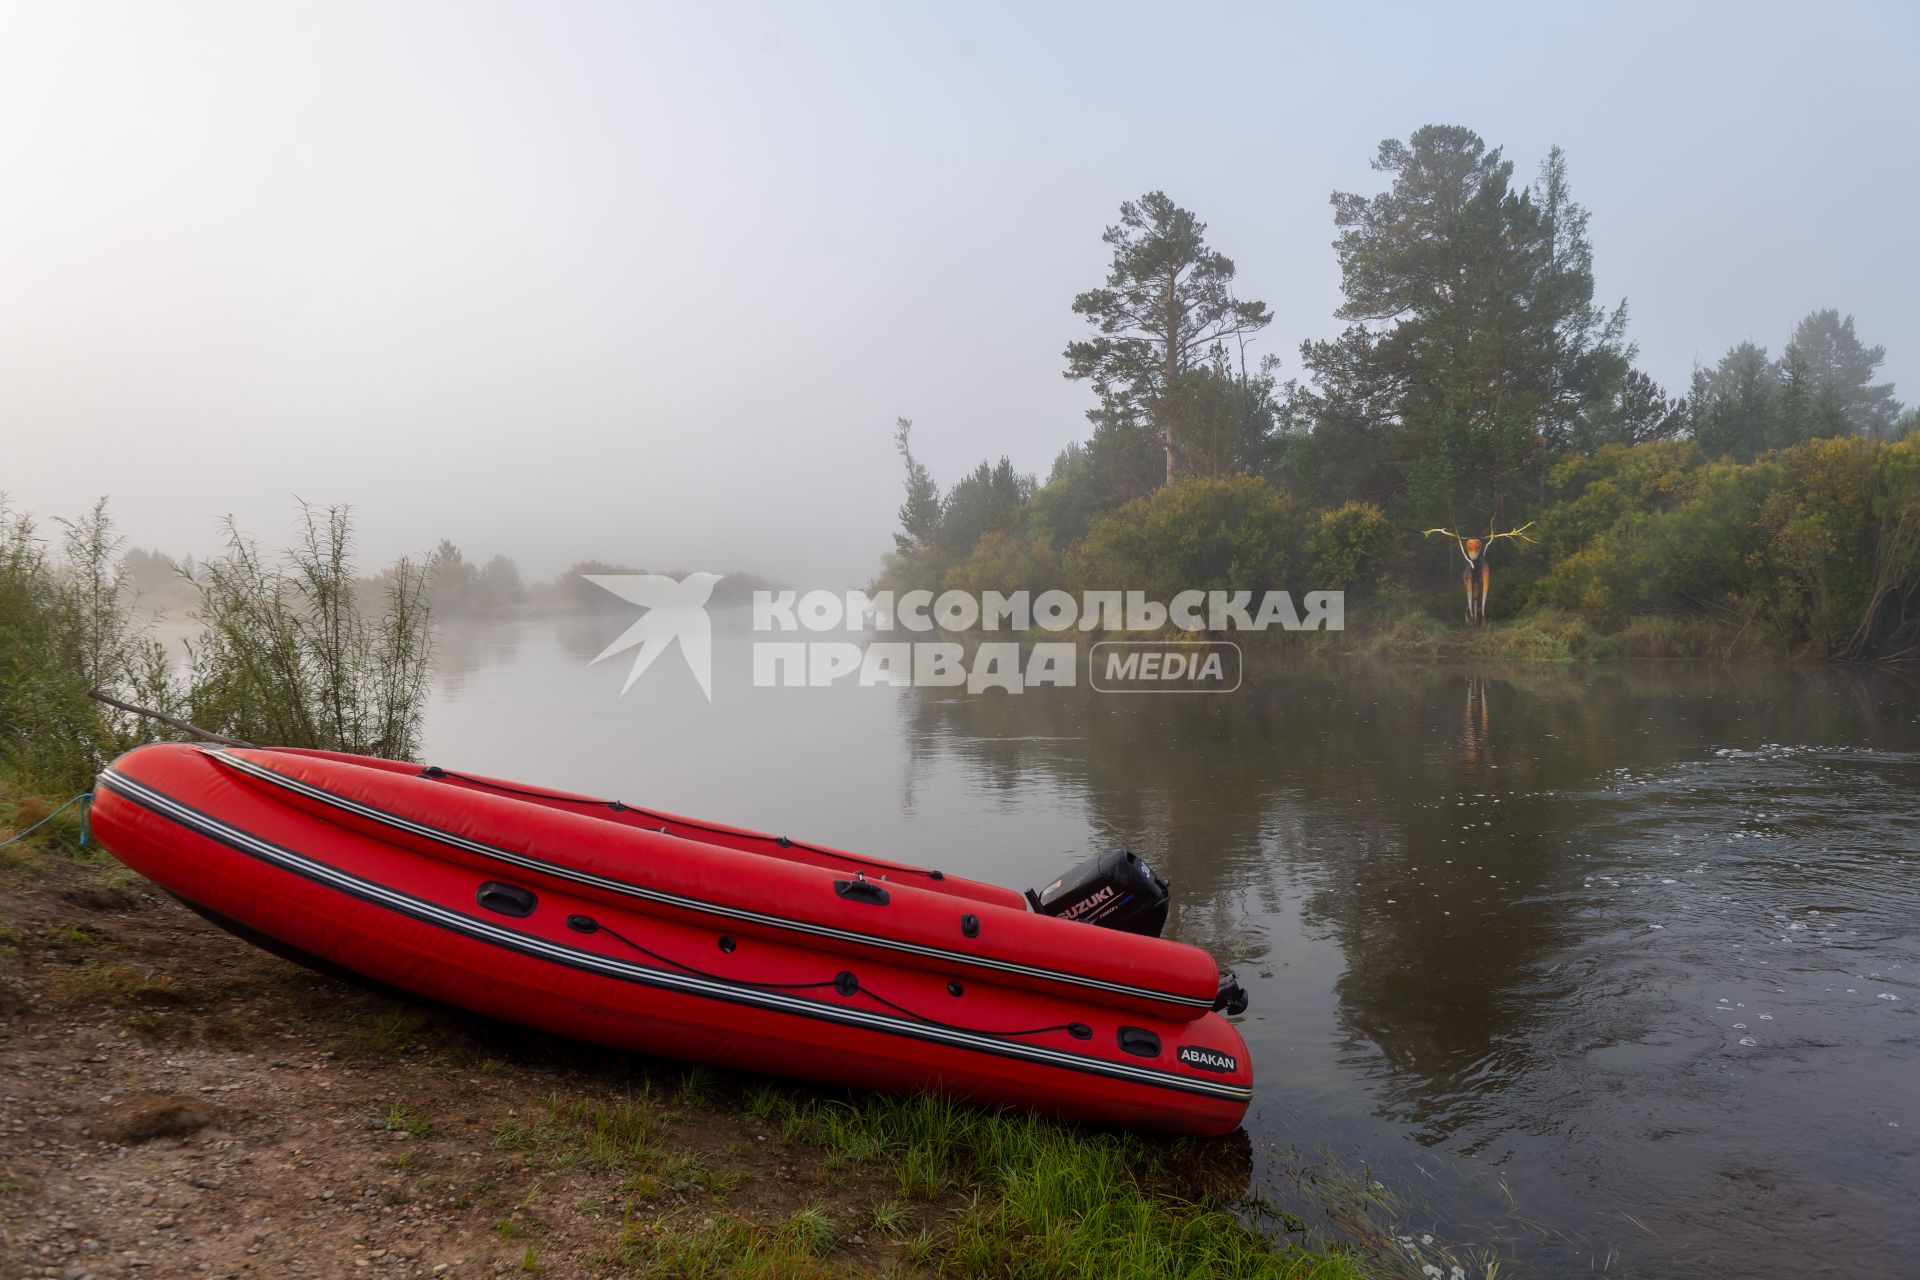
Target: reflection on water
[(1634, 945)]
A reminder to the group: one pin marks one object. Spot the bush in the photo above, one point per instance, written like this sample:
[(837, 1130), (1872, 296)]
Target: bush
[(66, 627), (290, 657), (1236, 533), (1842, 530), (1348, 547), (1006, 563), (1668, 542), (1813, 547)]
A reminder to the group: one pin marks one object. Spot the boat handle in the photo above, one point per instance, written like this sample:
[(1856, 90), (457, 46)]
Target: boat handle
[(861, 891), (507, 899)]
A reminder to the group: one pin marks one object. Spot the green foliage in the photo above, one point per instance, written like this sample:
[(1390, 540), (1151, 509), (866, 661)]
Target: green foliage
[(291, 655), (1348, 549), (1005, 563), (1733, 409), (1838, 371), (1592, 493), (1222, 422), (1814, 547), (1120, 462), (1637, 412), (1167, 307), (1819, 388), (1650, 530), (1476, 348), (920, 513), (67, 626), (990, 500), (1842, 528), (1478, 380), (47, 727), (1237, 533)]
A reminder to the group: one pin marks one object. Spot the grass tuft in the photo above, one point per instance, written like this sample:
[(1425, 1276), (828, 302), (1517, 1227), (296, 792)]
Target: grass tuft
[(404, 1118), (116, 984)]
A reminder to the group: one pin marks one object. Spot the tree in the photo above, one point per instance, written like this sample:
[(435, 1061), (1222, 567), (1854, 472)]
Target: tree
[(1801, 411), (1839, 369), (1637, 412), (990, 499), (500, 584), (920, 513), (1732, 409), (1475, 349), (148, 571), (450, 580), (1118, 463), (1819, 388), (1167, 304), (1223, 419)]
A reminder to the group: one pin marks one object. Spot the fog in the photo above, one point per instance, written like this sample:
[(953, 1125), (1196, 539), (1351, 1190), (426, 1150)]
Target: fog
[(651, 283)]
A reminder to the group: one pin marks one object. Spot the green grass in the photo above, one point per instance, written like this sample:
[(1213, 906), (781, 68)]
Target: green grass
[(727, 1248), (889, 1218), (21, 808), (1036, 1198), (812, 1230), (989, 1193), (623, 1136), (115, 984), (615, 1136), (404, 1118)]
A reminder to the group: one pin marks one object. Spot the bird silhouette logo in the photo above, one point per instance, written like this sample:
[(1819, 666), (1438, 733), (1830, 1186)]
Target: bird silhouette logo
[(674, 611)]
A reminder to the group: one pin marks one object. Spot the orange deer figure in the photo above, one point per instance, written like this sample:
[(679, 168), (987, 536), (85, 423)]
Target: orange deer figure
[(1477, 577)]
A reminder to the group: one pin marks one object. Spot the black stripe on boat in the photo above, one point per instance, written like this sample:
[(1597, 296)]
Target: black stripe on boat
[(631, 890), (312, 869)]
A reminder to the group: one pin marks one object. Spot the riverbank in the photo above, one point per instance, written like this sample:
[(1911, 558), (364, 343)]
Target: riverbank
[(178, 1102), (1402, 631), (1544, 635)]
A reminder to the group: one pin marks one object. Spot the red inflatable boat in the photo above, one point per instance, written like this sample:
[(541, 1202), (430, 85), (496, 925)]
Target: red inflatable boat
[(594, 919)]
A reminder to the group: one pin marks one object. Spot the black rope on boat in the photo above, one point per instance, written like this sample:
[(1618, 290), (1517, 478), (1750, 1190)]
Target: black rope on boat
[(843, 982), (1078, 1030), (587, 924), (435, 771)]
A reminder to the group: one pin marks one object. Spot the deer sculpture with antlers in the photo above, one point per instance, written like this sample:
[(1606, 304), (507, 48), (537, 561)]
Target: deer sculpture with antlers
[(1477, 577)]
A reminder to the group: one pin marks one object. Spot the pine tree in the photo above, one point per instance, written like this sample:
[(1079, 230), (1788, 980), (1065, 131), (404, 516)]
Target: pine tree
[(1168, 302), (1475, 348)]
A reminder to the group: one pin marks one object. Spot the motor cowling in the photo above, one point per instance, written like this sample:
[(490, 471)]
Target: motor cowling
[(1114, 890)]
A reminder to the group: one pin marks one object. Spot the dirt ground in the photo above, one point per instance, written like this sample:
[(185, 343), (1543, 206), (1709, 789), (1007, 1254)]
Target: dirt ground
[(174, 1102)]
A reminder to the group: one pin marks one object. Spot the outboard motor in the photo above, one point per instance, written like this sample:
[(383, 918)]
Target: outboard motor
[(1113, 890)]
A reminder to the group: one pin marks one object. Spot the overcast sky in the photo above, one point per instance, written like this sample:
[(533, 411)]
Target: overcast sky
[(652, 283)]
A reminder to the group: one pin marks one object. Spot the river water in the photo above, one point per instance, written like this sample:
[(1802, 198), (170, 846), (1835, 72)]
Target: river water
[(1598, 968)]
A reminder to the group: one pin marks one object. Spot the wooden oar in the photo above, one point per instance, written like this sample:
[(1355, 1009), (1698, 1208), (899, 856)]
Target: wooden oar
[(171, 721)]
